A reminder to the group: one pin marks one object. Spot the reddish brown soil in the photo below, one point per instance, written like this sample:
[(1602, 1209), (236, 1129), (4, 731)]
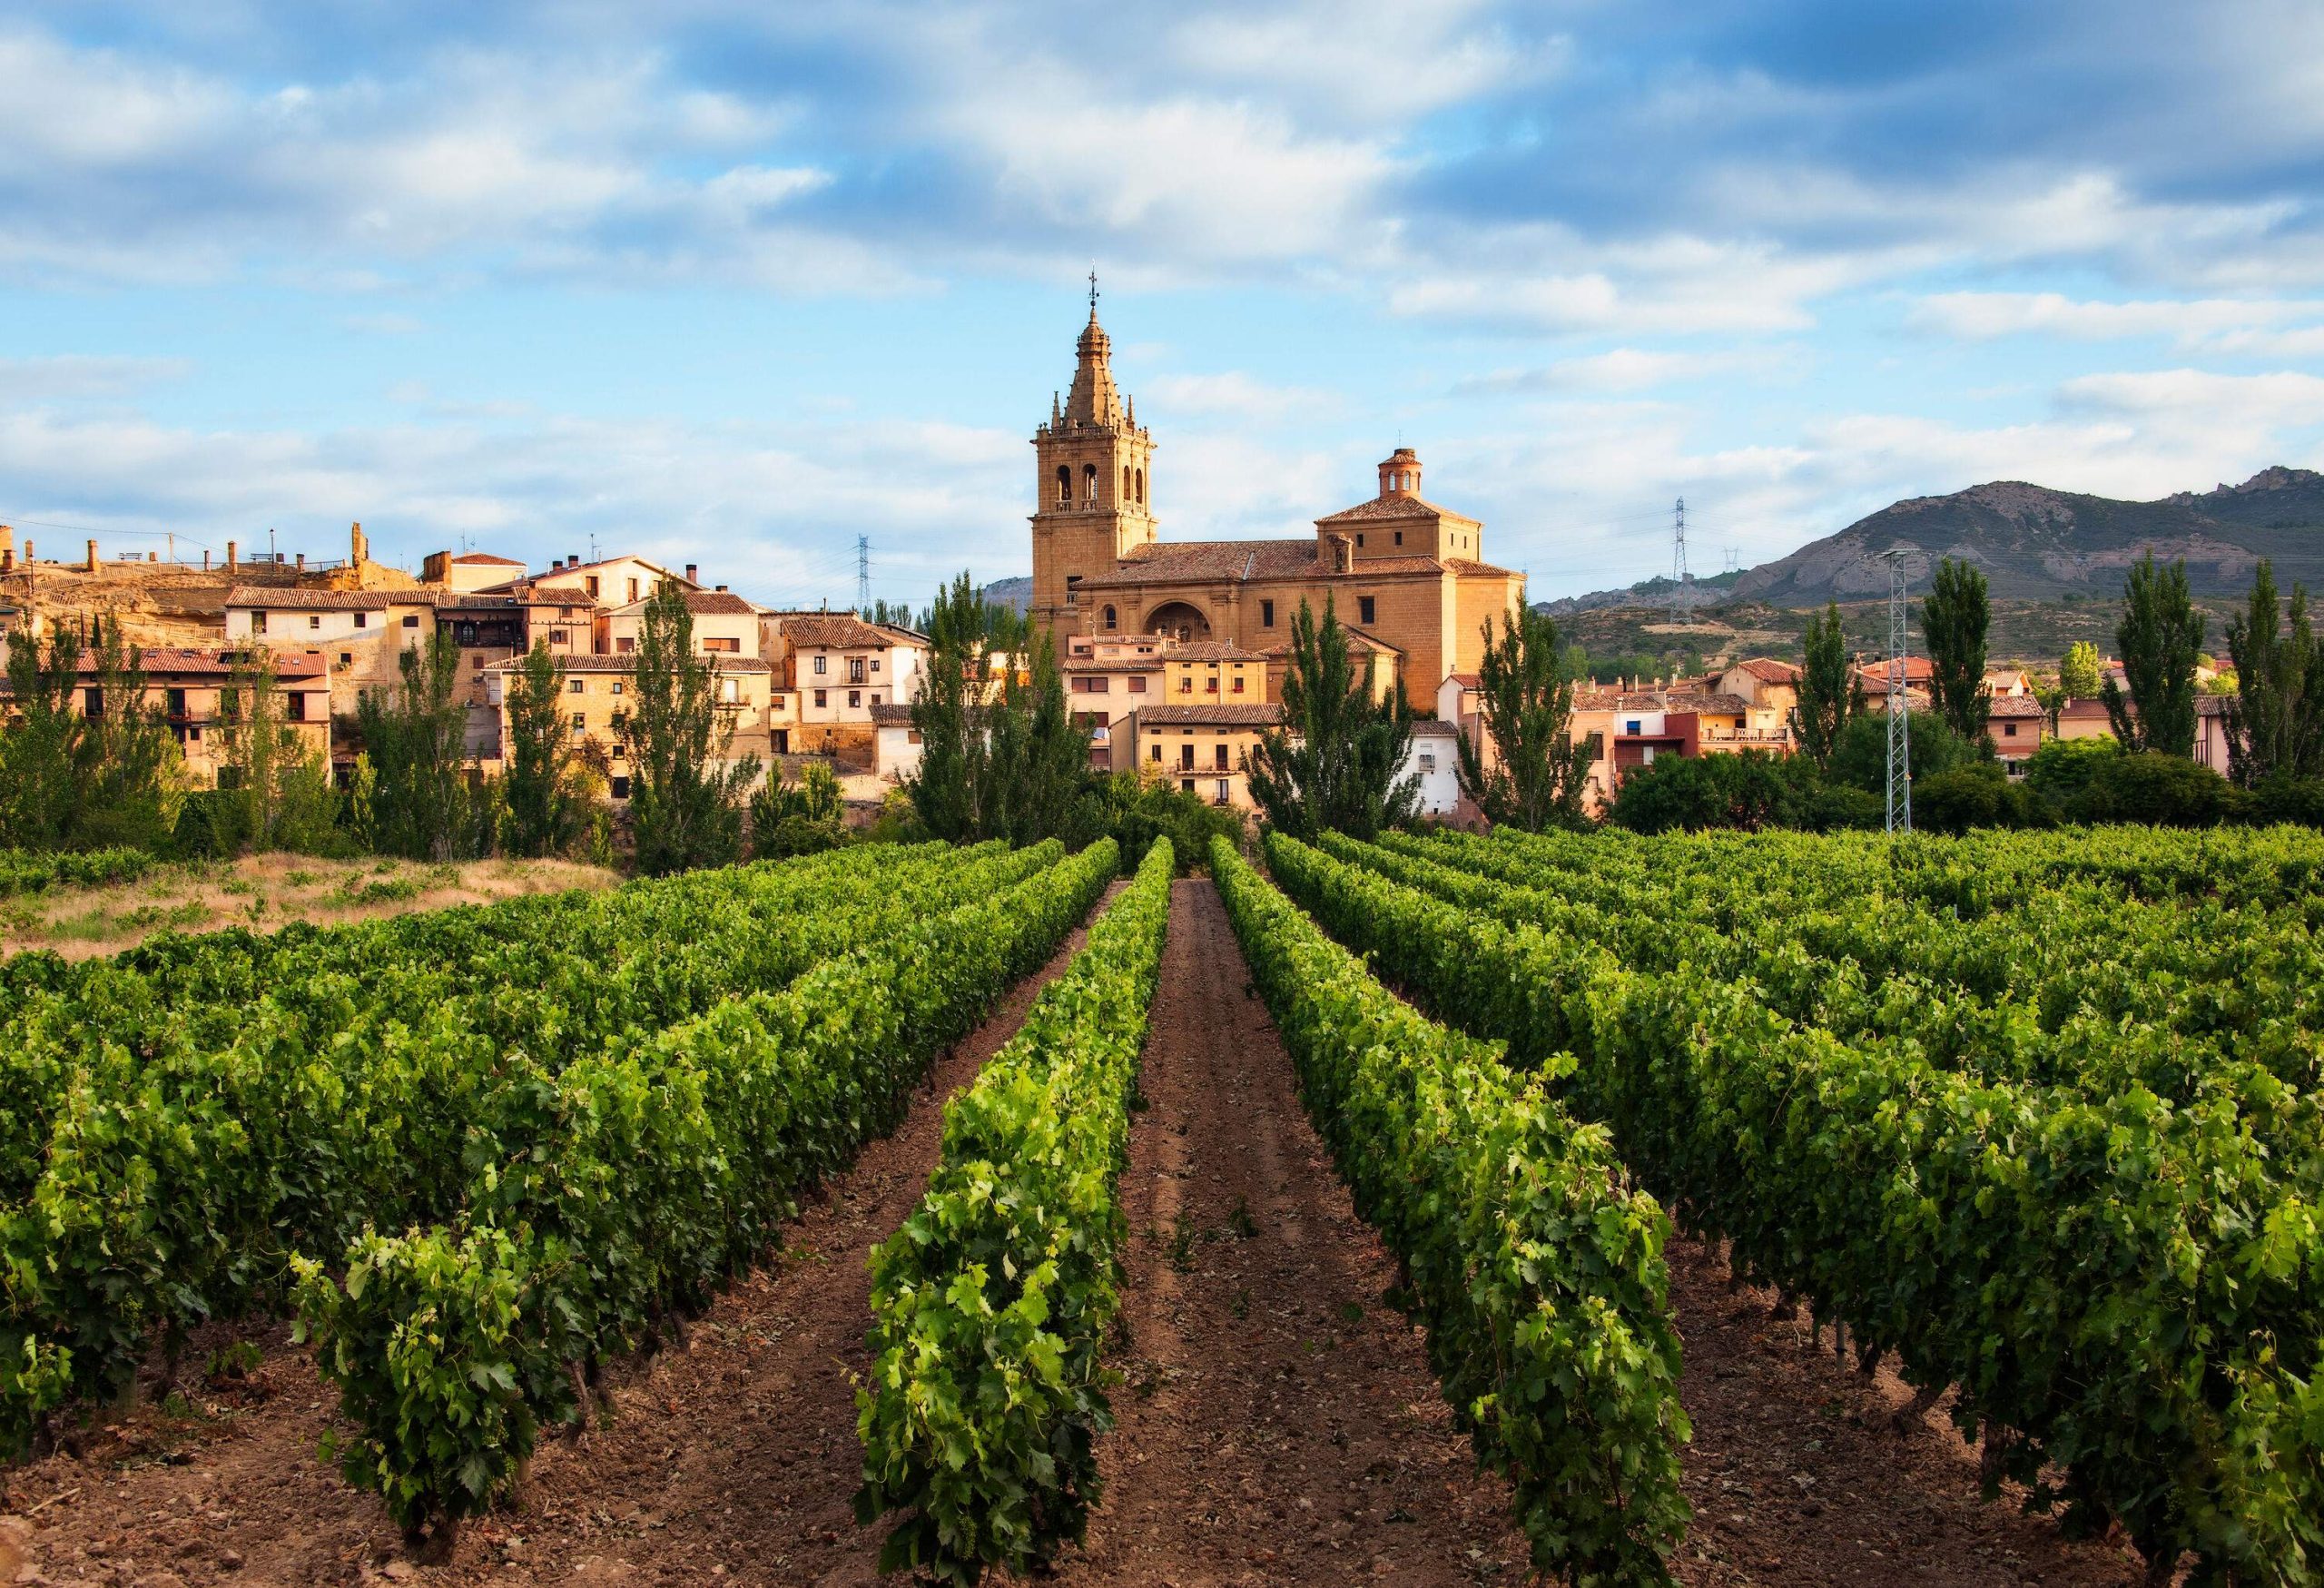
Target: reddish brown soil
[(1797, 1476), (1278, 1423)]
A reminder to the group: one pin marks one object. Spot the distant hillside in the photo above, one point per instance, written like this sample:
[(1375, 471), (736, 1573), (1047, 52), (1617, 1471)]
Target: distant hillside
[(2037, 544), (1016, 592)]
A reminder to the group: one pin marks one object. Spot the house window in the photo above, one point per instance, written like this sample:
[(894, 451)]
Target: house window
[(1225, 791), (558, 636), (1154, 753), (1219, 757), (727, 646), (577, 686), (579, 722), (314, 620), (1427, 764), (854, 697), (1630, 727), (1210, 685), (1186, 756), (2009, 730), (1359, 537), (363, 620), (1137, 683), (821, 668), (294, 708), (730, 691), (633, 591), (625, 646), (620, 786), (875, 664), (822, 697), (1400, 537), (347, 658), (618, 687), (592, 583), (1367, 610), (257, 622), (875, 697), (565, 612), (1267, 614), (1186, 786), (177, 702), (1238, 683), (412, 621), (855, 669)]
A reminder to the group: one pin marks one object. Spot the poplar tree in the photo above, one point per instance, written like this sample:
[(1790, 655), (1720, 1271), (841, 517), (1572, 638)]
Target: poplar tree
[(2159, 638), (541, 791), (283, 784), (2274, 726), (2081, 676), (686, 795), (1526, 688), (1827, 694), (416, 732), (1955, 617), (1336, 761), (92, 761), (38, 781), (945, 714)]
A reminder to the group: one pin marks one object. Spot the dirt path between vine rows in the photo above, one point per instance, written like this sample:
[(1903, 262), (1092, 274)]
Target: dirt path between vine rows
[(732, 1459), (1280, 1423)]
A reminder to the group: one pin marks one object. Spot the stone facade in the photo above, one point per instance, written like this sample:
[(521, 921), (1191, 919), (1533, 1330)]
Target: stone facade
[(1409, 575)]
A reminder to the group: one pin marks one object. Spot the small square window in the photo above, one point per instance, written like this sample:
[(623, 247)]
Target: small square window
[(822, 665), (363, 620), (618, 687), (822, 697), (577, 686), (314, 620), (412, 621), (856, 697)]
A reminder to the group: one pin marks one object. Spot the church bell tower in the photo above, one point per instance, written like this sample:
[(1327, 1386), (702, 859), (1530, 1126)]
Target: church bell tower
[(1091, 508)]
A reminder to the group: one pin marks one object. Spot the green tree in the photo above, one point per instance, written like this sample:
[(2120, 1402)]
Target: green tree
[(947, 713), (2079, 674), (1829, 697), (416, 732), (1036, 757), (2273, 726), (2159, 638), (1526, 701), (39, 781), (1337, 760), (1955, 617), (1860, 760), (685, 792), (282, 782), (129, 761), (545, 807)]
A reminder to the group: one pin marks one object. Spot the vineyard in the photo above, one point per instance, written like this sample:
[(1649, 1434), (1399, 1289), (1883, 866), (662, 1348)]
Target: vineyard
[(908, 1207)]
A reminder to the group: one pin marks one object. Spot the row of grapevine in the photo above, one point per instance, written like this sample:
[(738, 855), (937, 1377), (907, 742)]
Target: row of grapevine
[(2190, 1003), (991, 1303), (161, 1171), (636, 1179), (1536, 1265), (2126, 1290), (26, 870)]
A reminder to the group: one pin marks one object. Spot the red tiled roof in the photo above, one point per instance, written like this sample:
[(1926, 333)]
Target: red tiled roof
[(1210, 650), (2015, 705), (1216, 717), (2083, 708), (286, 599), (890, 714), (1195, 562), (1394, 505), (834, 631), (626, 662), (1432, 728), (704, 603), (206, 662), (1768, 670), (1918, 669), (486, 557), (1467, 680)]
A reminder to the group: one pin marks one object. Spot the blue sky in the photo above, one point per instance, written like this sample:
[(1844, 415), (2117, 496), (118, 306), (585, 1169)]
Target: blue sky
[(732, 284)]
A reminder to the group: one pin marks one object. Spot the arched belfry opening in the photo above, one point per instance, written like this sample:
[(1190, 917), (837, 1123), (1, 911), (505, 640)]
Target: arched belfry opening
[(1180, 620)]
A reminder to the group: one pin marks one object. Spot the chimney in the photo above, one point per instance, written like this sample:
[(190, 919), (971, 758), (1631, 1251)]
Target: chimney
[(152, 556), (302, 562), (358, 548), (92, 557), (573, 559), (690, 572), (206, 562), (722, 589)]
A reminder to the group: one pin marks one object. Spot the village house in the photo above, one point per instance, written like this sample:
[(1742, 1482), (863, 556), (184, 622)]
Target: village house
[(364, 632), (724, 624), (600, 691), (1107, 678), (465, 572), (196, 690), (1201, 747)]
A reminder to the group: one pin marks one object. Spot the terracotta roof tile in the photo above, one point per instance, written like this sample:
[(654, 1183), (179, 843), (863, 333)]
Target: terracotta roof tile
[(289, 599), (888, 713), (834, 631), (1216, 717), (1768, 670), (1396, 505)]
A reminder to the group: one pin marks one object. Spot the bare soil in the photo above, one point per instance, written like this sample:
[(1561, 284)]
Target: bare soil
[(264, 892), (1278, 1421), (1280, 1424)]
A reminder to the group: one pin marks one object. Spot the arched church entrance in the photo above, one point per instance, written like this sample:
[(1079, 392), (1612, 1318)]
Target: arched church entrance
[(1181, 620)]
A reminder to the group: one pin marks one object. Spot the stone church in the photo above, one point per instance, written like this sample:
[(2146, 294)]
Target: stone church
[(1409, 575)]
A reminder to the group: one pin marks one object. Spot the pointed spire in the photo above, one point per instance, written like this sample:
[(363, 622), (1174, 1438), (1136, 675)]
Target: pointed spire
[(1093, 399)]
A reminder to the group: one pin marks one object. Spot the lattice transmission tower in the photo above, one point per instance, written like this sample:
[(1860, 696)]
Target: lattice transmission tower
[(1679, 575), (1900, 716), (863, 575)]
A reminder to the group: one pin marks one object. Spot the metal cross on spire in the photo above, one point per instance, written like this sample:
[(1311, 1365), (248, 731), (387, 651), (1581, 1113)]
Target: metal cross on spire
[(1093, 291)]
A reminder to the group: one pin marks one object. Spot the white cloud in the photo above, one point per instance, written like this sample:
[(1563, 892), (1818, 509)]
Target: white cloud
[(1232, 391), (83, 375), (1628, 370)]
